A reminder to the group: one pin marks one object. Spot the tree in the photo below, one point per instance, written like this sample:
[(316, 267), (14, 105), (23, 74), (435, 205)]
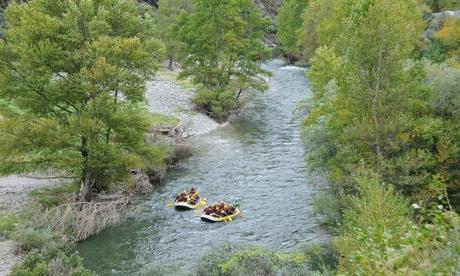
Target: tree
[(76, 69), (317, 15), (223, 50), (289, 21), (165, 19), (380, 238), (224, 43), (449, 35)]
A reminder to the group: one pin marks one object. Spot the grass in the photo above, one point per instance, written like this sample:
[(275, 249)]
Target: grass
[(172, 76), (186, 111), (51, 197), (8, 224), (9, 107), (158, 119)]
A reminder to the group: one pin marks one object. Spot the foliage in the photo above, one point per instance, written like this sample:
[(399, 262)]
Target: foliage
[(218, 103), (444, 81), (50, 261), (48, 252), (289, 20), (435, 51), (442, 5), (327, 208), (224, 46), (165, 18), (379, 237), (78, 69), (236, 260), (375, 107), (449, 35)]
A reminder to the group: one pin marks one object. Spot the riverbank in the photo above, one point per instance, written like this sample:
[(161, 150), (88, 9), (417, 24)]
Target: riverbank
[(164, 96), (15, 194), (167, 96)]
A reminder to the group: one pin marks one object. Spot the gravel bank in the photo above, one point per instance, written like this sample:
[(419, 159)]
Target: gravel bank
[(8, 256), (14, 193), (167, 97)]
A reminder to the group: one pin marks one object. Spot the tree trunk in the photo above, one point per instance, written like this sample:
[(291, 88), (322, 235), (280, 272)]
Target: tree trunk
[(239, 93), (171, 63), (107, 137), (375, 108), (86, 177)]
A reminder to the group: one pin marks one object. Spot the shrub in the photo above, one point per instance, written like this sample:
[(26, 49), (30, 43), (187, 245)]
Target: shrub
[(231, 259), (217, 103), (49, 251), (29, 239), (379, 237), (328, 209), (38, 263)]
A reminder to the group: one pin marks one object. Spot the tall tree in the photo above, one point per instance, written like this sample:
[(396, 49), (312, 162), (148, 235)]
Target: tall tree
[(317, 15), (370, 106), (165, 18), (289, 21), (76, 69), (223, 43)]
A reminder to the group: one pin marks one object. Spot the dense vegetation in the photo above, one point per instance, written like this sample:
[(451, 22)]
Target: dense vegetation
[(380, 118), (77, 70), (382, 123), (288, 22), (223, 53)]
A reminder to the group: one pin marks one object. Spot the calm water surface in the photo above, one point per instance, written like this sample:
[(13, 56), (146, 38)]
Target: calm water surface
[(258, 159)]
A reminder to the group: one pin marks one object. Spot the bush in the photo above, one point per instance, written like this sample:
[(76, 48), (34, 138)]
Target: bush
[(29, 238), (218, 103), (235, 260), (38, 263), (48, 251), (379, 237), (328, 209)]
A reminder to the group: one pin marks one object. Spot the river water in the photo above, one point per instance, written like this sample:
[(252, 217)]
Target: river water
[(258, 159)]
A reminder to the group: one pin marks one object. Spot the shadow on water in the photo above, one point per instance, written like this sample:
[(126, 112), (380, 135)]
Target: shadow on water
[(258, 159)]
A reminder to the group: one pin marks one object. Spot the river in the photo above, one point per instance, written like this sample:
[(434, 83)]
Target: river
[(258, 159)]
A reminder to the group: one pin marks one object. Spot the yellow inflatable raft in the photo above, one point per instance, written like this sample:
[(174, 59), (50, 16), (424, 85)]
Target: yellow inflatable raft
[(210, 218), (188, 200), (188, 206)]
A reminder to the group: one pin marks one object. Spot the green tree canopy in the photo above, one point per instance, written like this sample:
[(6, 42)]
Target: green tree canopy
[(224, 43), (223, 51), (76, 69), (165, 18), (371, 104), (289, 21)]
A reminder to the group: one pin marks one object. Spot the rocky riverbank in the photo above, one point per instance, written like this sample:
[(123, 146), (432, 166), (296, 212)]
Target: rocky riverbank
[(164, 95)]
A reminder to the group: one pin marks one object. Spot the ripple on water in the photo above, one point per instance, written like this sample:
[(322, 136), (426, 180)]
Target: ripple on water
[(259, 159)]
